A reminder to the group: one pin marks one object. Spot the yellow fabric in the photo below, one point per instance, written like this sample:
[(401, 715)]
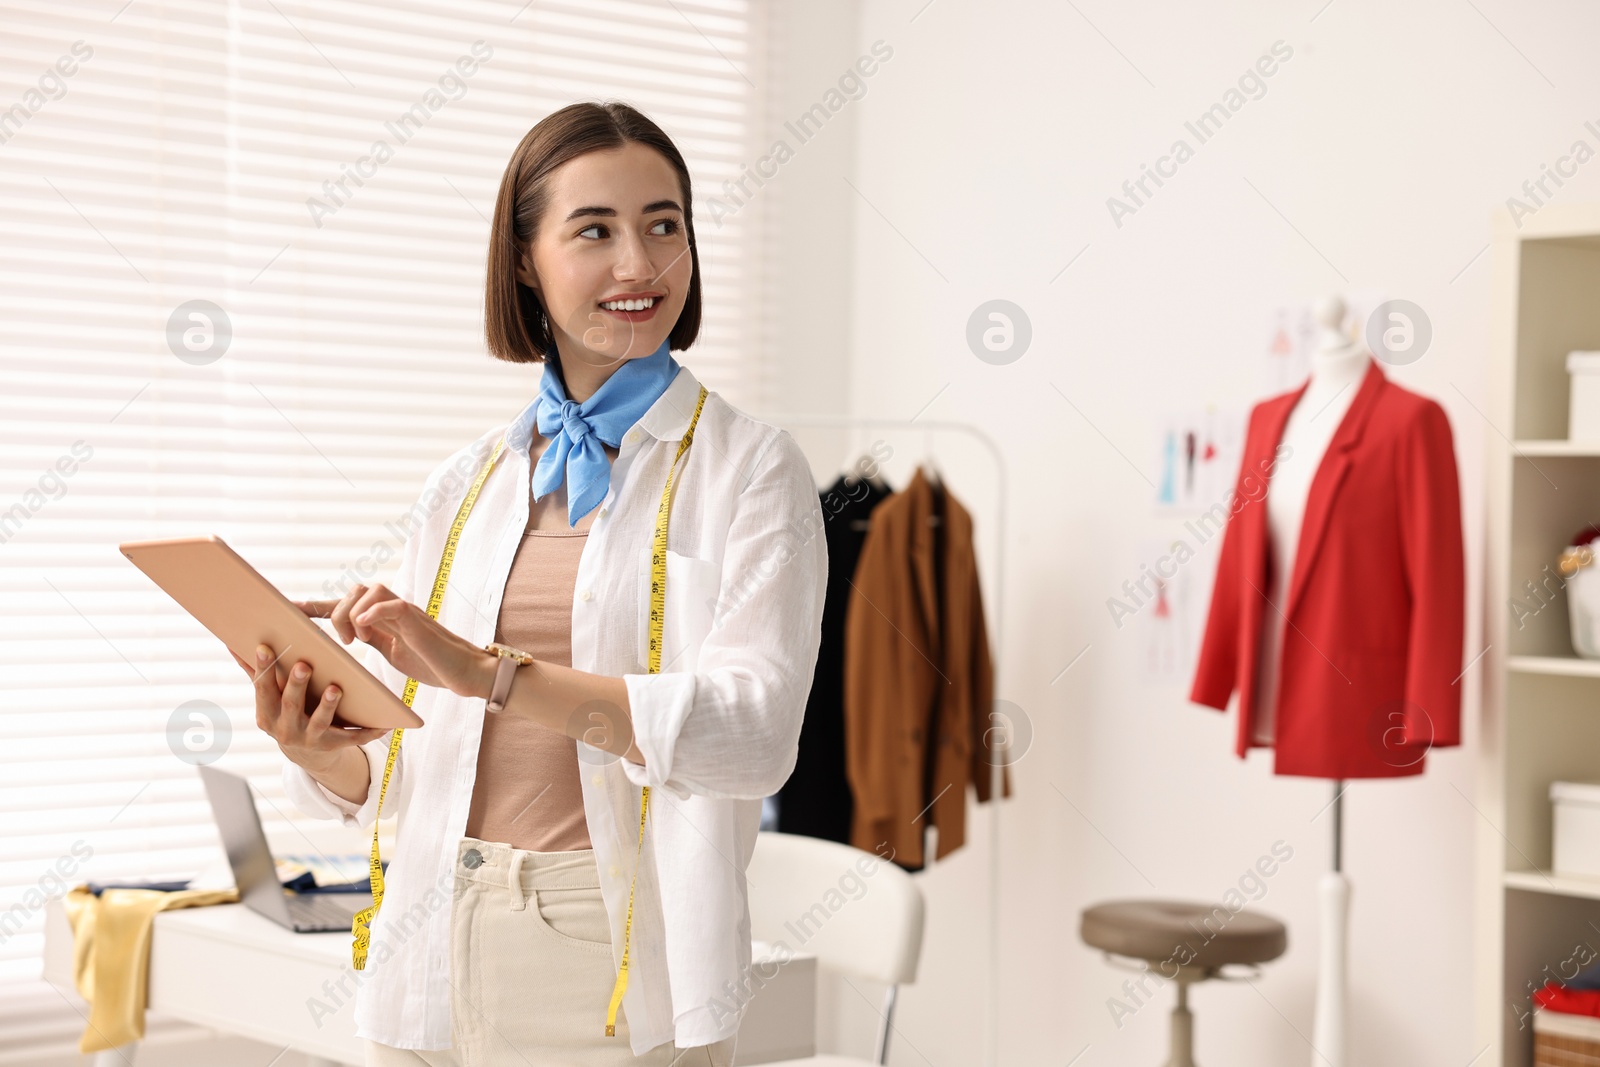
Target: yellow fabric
[(111, 955)]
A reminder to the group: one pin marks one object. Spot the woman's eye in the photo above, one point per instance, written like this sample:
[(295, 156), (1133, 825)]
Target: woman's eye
[(655, 228)]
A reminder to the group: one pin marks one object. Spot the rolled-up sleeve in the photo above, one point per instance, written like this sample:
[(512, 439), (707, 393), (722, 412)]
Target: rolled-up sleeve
[(315, 800), (731, 727)]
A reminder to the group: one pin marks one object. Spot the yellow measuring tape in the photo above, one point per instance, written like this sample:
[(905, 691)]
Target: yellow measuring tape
[(361, 925), (658, 615)]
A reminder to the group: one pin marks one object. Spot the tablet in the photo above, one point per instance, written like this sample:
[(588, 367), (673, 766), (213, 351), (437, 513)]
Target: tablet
[(242, 609)]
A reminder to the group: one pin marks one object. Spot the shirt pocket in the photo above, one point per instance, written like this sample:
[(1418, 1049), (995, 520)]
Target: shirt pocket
[(692, 587)]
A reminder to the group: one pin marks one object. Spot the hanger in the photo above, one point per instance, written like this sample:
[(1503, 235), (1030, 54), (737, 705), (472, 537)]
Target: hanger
[(868, 462), (930, 464), (865, 461), (931, 471), (852, 473)]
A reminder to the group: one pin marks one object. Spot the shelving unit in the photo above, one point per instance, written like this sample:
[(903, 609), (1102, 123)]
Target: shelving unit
[(1541, 703), (1534, 449), (1568, 665), (1541, 882)]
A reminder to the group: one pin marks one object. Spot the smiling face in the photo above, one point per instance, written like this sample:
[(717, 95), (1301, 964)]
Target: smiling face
[(610, 259)]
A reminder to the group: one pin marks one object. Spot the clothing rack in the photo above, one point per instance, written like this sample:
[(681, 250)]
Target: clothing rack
[(866, 524), (845, 422)]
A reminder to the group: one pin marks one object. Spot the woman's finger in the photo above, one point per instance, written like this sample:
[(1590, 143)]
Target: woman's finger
[(357, 735), (340, 614), (405, 628), (316, 609), (292, 708), (317, 725), (386, 611), (362, 608), (265, 677), (268, 696), (266, 706), (320, 733)]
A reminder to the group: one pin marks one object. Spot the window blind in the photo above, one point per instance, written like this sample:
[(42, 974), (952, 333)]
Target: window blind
[(226, 309)]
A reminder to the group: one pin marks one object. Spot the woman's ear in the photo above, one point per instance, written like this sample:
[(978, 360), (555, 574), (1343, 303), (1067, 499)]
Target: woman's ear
[(525, 272)]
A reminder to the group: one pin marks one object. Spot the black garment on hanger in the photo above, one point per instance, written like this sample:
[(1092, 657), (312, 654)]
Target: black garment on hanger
[(816, 800)]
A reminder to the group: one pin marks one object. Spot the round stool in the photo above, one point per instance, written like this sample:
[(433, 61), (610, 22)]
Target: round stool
[(1182, 943)]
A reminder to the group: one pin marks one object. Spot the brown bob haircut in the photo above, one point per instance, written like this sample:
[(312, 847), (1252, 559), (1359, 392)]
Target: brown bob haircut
[(515, 324)]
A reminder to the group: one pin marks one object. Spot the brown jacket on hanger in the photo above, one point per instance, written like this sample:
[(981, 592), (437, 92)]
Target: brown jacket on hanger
[(919, 686)]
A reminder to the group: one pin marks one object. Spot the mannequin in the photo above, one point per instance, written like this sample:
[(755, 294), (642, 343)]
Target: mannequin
[(1337, 366), (1339, 608)]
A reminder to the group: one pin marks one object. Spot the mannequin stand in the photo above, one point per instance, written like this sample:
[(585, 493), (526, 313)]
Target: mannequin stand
[(1328, 1034)]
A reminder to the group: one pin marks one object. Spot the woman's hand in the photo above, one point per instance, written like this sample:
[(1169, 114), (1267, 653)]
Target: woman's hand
[(413, 642), (286, 713)]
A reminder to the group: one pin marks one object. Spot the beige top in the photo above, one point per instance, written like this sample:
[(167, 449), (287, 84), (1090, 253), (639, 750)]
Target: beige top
[(528, 793)]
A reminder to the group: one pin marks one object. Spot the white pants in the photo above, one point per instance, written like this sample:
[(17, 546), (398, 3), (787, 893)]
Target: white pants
[(532, 970)]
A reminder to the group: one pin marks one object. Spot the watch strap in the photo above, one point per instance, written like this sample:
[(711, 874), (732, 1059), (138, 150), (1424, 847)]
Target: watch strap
[(504, 671)]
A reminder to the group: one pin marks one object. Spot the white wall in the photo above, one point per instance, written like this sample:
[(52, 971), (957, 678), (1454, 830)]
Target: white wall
[(810, 224), (987, 147)]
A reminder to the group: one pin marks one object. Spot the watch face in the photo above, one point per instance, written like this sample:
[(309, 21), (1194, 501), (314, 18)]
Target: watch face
[(508, 652)]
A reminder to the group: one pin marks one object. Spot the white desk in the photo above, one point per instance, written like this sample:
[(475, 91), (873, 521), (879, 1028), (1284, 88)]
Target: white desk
[(227, 968)]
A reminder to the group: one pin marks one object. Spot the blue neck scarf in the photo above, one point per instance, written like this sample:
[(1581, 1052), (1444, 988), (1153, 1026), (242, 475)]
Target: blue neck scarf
[(577, 431)]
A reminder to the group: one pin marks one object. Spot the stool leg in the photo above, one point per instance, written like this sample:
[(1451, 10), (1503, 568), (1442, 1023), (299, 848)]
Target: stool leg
[(1182, 1054)]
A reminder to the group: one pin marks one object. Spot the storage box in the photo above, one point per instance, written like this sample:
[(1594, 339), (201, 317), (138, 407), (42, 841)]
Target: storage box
[(1583, 610), (1561, 1040), (1575, 842), (1583, 412)]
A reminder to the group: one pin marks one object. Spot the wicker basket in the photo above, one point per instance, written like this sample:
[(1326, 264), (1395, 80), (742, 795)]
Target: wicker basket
[(1561, 1040)]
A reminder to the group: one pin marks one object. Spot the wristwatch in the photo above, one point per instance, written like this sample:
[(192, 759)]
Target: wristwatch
[(510, 660)]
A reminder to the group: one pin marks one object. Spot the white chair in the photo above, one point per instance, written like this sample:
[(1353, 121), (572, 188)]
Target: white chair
[(858, 913)]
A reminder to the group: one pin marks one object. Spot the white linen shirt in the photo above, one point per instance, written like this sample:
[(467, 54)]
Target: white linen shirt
[(718, 728)]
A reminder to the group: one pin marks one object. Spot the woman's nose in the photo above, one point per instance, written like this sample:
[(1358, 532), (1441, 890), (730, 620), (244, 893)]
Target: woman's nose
[(633, 260)]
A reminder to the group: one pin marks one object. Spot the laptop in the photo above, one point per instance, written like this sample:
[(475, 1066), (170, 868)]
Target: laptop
[(255, 872)]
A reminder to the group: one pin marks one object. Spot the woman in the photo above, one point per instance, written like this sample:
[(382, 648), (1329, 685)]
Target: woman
[(524, 864)]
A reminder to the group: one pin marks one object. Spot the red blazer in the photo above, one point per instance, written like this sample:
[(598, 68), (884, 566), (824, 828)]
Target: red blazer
[(1370, 675)]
